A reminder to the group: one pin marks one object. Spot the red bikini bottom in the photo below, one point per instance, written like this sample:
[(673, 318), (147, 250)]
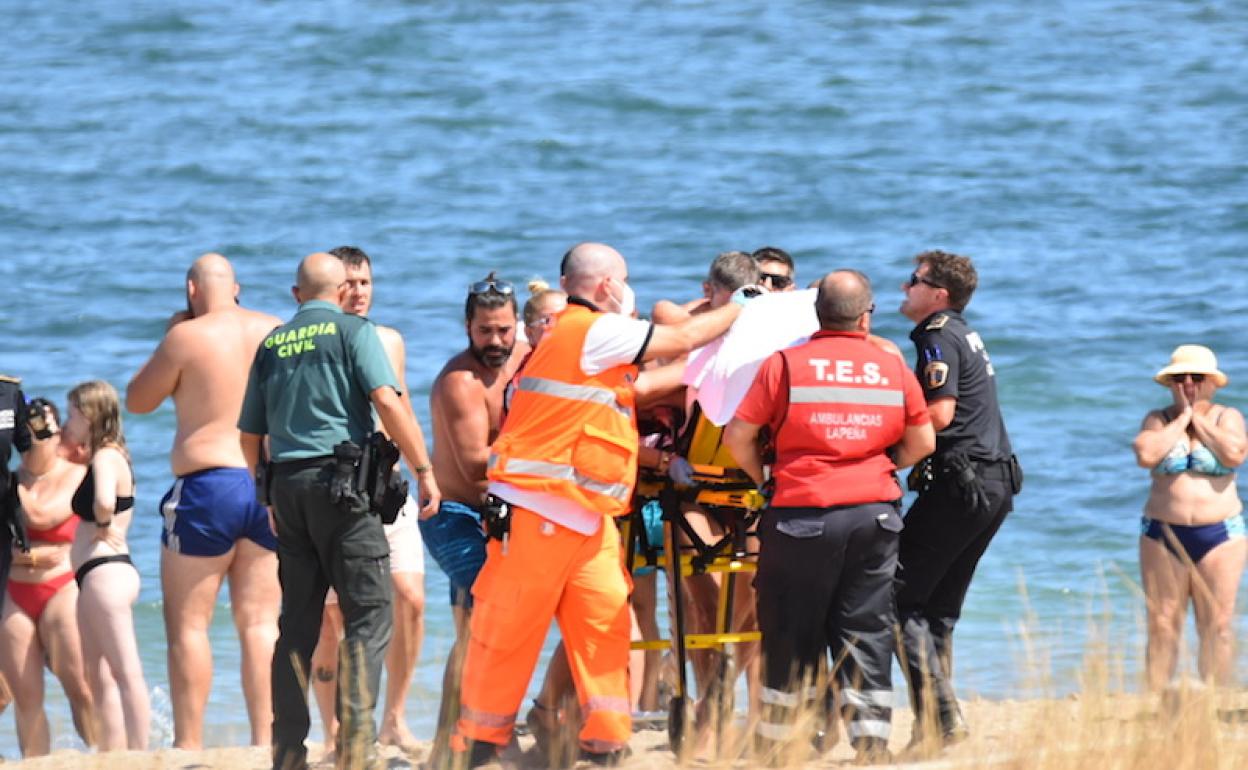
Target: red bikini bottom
[(34, 597)]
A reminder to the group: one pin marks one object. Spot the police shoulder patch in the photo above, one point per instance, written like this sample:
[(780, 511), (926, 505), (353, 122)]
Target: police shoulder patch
[(937, 322), (935, 374)]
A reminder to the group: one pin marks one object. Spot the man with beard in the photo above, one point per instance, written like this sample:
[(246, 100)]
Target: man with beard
[(466, 406), (407, 559)]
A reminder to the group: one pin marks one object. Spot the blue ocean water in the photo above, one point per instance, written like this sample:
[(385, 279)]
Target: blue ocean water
[(1090, 156)]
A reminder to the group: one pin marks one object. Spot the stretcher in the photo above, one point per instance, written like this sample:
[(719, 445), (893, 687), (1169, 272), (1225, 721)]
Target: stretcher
[(727, 493)]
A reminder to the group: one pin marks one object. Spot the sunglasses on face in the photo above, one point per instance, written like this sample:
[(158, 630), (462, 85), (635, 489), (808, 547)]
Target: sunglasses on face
[(1196, 378), (541, 323), (777, 281), (492, 285), (916, 279)]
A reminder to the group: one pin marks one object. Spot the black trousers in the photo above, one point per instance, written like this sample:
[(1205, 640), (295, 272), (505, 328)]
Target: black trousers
[(940, 548), (318, 546), (825, 582)]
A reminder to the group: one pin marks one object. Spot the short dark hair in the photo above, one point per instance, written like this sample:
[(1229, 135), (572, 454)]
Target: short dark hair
[(490, 299), (732, 270), (773, 254), (352, 256), (951, 272), (840, 307)]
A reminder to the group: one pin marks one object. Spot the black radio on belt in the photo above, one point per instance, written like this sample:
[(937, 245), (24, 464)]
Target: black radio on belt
[(496, 516), (344, 482)]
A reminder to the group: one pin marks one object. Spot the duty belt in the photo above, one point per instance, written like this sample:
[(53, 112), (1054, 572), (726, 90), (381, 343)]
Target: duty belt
[(302, 464)]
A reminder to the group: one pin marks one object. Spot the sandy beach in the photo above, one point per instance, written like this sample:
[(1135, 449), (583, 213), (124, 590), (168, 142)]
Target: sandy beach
[(1120, 731)]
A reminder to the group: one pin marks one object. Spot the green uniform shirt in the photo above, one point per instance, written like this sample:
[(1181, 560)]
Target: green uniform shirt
[(310, 382)]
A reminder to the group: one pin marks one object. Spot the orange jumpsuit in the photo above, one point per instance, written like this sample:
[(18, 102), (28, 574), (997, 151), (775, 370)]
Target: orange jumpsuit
[(566, 460)]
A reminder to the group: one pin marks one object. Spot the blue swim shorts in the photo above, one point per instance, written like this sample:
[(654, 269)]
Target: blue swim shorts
[(456, 542), (652, 516), (208, 511)]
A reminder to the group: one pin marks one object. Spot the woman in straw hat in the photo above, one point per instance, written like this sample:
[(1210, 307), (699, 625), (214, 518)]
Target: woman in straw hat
[(1192, 535)]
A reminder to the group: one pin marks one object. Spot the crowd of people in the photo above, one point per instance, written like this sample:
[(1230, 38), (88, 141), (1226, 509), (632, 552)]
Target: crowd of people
[(285, 464)]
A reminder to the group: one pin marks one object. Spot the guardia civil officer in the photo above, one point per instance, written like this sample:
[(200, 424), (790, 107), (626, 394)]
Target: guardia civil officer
[(965, 489), (844, 413), (311, 387)]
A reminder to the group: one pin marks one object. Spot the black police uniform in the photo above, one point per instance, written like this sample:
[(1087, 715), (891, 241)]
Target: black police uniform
[(13, 433), (309, 390), (973, 478)]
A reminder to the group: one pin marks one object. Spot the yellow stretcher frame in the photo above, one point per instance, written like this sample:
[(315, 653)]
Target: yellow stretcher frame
[(717, 488)]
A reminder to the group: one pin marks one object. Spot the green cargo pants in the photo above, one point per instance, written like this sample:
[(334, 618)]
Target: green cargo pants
[(319, 545)]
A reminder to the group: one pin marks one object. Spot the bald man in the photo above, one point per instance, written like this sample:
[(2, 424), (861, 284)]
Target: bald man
[(311, 386), (213, 526), (564, 465)]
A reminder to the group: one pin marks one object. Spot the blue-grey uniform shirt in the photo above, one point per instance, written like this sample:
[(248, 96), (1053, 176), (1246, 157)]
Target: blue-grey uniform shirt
[(310, 382)]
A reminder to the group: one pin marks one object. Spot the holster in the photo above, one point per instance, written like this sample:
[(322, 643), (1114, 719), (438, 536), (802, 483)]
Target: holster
[(264, 480), (345, 489), (959, 470), (1016, 475), (496, 516), (383, 484)]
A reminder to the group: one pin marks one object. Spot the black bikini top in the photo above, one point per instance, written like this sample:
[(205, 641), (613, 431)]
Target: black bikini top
[(83, 503)]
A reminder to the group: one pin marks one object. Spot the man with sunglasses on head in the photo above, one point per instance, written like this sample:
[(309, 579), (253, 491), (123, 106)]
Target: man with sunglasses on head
[(466, 405), (777, 270), (965, 488), (561, 470)]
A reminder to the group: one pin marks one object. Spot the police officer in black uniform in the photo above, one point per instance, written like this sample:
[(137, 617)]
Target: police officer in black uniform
[(13, 433), (312, 385), (965, 488)]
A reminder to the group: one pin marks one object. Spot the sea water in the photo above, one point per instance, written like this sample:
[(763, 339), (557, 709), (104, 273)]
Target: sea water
[(1090, 157)]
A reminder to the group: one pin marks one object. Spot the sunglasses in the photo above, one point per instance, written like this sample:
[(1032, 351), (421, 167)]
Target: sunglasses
[(1196, 378), (777, 281), (916, 279), (492, 285)]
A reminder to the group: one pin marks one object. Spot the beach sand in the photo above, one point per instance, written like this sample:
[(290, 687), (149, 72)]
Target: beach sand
[(1106, 731)]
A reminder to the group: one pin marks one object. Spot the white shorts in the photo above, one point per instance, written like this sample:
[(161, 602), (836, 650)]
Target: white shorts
[(407, 550)]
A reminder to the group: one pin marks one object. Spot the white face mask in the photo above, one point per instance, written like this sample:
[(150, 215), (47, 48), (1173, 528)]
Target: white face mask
[(626, 303)]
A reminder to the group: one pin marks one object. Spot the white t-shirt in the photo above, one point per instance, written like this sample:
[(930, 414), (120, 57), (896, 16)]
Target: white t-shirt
[(613, 340)]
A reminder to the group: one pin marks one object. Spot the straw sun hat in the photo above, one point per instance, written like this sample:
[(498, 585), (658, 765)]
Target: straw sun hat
[(1192, 359)]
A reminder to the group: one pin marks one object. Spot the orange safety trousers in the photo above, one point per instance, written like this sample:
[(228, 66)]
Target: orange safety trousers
[(548, 571)]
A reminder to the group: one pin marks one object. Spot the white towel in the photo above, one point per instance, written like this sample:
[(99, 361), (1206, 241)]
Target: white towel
[(721, 373)]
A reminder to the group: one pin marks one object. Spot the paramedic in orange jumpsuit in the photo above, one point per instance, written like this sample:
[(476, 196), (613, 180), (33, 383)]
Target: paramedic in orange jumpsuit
[(565, 463)]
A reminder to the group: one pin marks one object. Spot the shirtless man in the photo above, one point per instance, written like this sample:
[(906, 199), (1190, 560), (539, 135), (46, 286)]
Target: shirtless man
[(214, 527), (407, 560), (466, 406)]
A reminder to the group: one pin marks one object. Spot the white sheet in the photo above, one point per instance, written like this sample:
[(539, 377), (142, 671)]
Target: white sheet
[(721, 373)]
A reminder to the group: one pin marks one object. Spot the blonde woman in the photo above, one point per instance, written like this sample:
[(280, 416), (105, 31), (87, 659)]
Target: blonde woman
[(39, 621), (1192, 544), (108, 583)]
